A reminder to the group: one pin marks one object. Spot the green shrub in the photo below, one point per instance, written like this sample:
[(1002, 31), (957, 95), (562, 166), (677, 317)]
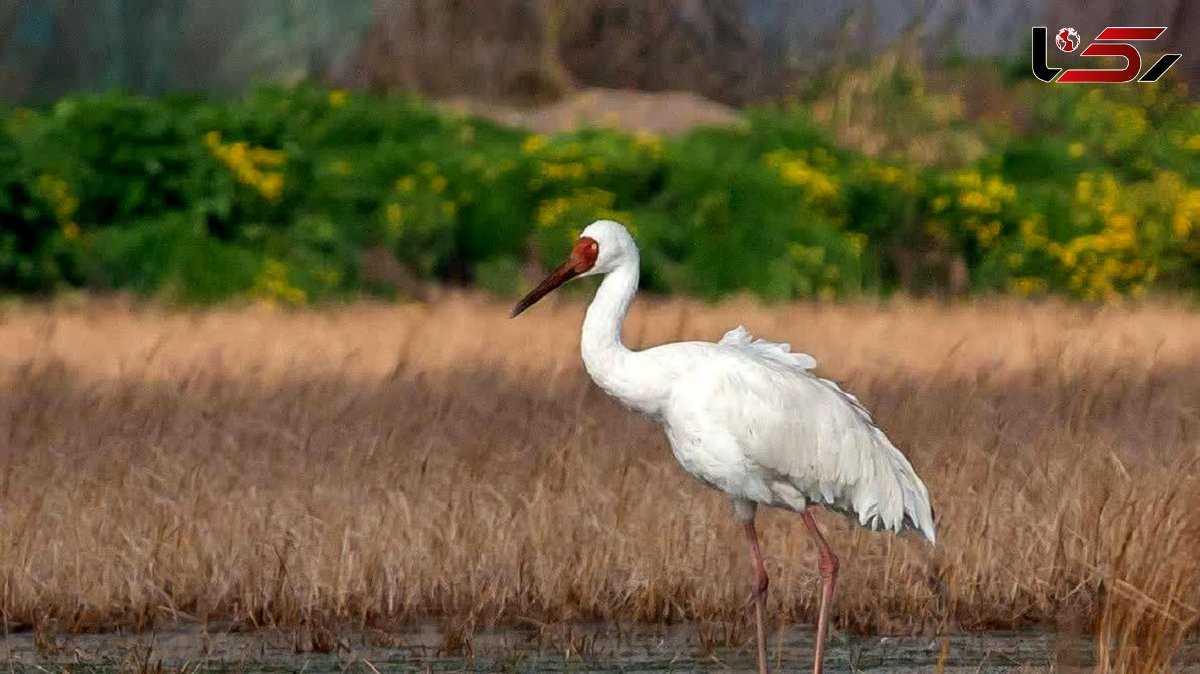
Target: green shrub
[(278, 195)]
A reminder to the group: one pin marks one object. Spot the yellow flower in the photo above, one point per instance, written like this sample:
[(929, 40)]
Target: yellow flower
[(337, 98), (999, 190), (57, 192), (585, 203), (1181, 227), (246, 162), (1033, 230), (395, 214), (267, 157), (975, 201), (438, 183), (969, 179), (1123, 227), (533, 143), (1083, 188), (988, 234), (649, 142), (272, 285), (271, 186), (573, 170), (808, 255), (70, 231), (1187, 215), (794, 169), (406, 184), (1076, 150), (888, 175), (550, 210), (1028, 285)]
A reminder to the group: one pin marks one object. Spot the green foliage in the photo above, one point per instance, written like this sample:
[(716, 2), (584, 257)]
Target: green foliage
[(278, 195)]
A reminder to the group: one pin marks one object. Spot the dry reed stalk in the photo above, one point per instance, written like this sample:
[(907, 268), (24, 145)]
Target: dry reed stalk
[(371, 464)]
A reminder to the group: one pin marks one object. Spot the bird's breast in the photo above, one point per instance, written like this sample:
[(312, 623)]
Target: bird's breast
[(634, 382)]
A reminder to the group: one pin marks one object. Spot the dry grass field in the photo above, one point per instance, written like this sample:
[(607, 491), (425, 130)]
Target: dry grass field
[(375, 464)]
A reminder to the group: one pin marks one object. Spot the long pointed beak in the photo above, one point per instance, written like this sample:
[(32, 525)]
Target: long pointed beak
[(564, 273)]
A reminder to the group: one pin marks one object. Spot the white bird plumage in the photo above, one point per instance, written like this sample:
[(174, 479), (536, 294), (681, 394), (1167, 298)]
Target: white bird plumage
[(804, 440), (743, 415)]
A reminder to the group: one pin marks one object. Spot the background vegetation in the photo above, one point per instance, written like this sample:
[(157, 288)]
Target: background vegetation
[(872, 181), (382, 466)]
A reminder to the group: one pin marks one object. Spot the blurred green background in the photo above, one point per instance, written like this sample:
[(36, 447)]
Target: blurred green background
[(329, 153)]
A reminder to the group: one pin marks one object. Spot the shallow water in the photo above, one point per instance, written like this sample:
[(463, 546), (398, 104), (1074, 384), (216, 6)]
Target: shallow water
[(589, 648)]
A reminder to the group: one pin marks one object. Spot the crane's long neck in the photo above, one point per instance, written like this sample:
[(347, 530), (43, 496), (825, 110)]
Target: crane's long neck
[(610, 364), (602, 325)]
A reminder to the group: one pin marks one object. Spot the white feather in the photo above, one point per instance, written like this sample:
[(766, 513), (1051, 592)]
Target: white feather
[(748, 416), (766, 430), (740, 337)]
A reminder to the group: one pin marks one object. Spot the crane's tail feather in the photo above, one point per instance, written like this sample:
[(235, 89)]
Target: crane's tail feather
[(918, 511)]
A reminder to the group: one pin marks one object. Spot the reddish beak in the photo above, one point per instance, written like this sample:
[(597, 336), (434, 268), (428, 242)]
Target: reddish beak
[(583, 257), (564, 273)]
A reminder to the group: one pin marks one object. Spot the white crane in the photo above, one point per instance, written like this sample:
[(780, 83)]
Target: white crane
[(745, 416)]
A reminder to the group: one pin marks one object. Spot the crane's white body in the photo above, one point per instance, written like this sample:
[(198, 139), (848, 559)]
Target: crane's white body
[(749, 417)]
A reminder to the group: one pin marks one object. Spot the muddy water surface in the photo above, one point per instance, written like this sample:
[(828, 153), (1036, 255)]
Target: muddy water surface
[(596, 648)]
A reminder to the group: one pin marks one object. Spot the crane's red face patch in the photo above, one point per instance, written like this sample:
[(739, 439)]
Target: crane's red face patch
[(583, 258), (584, 254)]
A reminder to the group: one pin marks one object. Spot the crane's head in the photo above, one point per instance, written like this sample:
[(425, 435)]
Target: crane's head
[(601, 248)]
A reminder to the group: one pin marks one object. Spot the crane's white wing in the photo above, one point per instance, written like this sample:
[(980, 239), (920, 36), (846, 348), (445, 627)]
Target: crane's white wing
[(804, 438), (741, 338)]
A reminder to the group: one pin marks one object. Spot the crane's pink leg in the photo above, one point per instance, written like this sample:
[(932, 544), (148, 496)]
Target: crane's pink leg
[(760, 594), (829, 571)]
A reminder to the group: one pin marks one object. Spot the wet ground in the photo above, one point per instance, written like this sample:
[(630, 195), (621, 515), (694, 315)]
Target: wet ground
[(600, 648)]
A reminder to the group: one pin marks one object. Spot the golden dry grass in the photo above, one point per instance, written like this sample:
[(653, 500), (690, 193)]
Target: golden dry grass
[(376, 463)]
